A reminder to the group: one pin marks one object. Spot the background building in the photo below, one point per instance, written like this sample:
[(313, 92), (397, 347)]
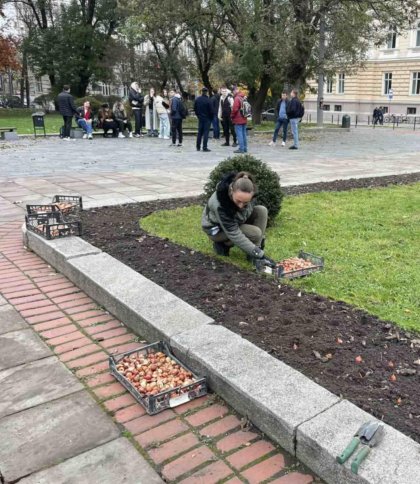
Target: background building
[(391, 71)]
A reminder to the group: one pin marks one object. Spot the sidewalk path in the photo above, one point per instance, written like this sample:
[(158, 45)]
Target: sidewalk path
[(54, 346)]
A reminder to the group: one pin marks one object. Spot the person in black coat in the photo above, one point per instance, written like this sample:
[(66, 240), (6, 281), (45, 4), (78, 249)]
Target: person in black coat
[(204, 113), (135, 98), (67, 109), (295, 112), (215, 100)]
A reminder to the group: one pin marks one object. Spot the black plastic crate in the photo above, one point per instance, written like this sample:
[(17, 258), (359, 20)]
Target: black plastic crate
[(279, 271), (52, 225), (165, 399), (74, 202)]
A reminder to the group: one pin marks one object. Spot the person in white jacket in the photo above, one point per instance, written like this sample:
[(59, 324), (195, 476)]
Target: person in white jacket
[(162, 106), (225, 108), (151, 116)]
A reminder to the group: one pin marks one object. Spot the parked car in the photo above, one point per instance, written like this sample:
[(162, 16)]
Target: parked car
[(10, 102), (268, 115)]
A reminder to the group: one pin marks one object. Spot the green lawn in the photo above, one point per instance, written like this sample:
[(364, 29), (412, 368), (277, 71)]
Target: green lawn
[(369, 239)]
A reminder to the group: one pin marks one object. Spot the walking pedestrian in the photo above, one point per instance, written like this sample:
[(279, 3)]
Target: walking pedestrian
[(150, 113), (282, 120), (295, 112), (135, 98), (204, 113), (239, 120), (224, 112), (177, 116), (214, 101), (67, 109)]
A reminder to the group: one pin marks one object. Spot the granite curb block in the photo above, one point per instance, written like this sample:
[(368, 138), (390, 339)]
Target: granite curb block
[(303, 417)]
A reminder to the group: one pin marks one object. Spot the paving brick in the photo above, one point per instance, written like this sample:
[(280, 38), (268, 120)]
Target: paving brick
[(18, 282), (265, 469), (46, 308), (21, 288), (119, 402), (89, 314), (247, 455), (62, 292), (222, 426), (294, 478), (33, 305), (187, 463), (92, 369), (118, 340), (99, 328), (65, 338), (54, 323), (148, 421), (97, 319), (206, 415), (53, 333), (108, 391), (77, 353), (74, 296), (192, 405), (115, 350), (22, 294), (129, 413), (235, 440), (234, 480), (162, 432), (21, 300), (100, 379), (173, 447), (42, 318), (77, 308), (211, 474), (71, 345), (48, 287), (111, 333), (88, 360)]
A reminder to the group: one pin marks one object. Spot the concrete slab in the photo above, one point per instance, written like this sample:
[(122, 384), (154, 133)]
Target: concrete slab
[(10, 319), (18, 347), (35, 383), (272, 395), (111, 463), (395, 461), (141, 304), (57, 251), (49, 433)]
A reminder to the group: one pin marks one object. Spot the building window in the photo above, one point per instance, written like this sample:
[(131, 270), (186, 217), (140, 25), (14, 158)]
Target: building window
[(341, 82), (384, 109), (418, 35), (415, 85), (392, 39), (337, 107), (38, 81), (411, 110), (326, 107), (387, 82), (329, 85)]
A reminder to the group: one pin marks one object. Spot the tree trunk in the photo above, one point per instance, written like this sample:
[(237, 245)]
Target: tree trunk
[(206, 80), (321, 55)]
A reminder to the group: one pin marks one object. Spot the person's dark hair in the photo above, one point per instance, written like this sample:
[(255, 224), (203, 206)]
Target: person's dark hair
[(295, 91), (285, 92), (66, 87), (243, 182), (105, 105)]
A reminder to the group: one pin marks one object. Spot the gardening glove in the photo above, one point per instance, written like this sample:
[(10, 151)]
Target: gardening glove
[(268, 262)]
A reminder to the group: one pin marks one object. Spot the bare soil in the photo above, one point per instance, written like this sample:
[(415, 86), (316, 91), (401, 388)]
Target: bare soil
[(320, 337)]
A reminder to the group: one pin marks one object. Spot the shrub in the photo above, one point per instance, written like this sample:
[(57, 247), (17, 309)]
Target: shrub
[(267, 180)]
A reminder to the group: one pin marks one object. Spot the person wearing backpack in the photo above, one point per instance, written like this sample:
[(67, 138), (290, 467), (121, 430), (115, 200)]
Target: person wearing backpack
[(239, 120), (295, 112), (178, 114)]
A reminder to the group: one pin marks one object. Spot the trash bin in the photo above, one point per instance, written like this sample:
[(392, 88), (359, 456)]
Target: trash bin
[(38, 121), (345, 121)]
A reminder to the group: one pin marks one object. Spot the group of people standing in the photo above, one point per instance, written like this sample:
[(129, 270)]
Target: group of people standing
[(288, 111)]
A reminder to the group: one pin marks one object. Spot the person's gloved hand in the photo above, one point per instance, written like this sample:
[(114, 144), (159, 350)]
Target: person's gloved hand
[(268, 262)]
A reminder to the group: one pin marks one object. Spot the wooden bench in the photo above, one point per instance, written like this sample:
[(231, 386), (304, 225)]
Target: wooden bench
[(8, 133)]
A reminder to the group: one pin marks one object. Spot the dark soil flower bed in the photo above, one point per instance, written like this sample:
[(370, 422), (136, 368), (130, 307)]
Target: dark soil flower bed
[(368, 361)]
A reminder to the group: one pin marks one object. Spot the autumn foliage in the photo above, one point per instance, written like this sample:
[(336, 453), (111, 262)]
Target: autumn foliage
[(8, 55)]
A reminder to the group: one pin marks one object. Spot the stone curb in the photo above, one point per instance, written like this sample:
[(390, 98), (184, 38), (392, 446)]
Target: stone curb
[(303, 417)]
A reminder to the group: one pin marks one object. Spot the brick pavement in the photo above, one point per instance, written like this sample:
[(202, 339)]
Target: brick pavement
[(203, 441)]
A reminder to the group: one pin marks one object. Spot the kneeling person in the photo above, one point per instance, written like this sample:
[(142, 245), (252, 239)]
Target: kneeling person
[(231, 217)]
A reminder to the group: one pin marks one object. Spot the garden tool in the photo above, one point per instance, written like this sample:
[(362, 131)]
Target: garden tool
[(364, 435), (367, 447)]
